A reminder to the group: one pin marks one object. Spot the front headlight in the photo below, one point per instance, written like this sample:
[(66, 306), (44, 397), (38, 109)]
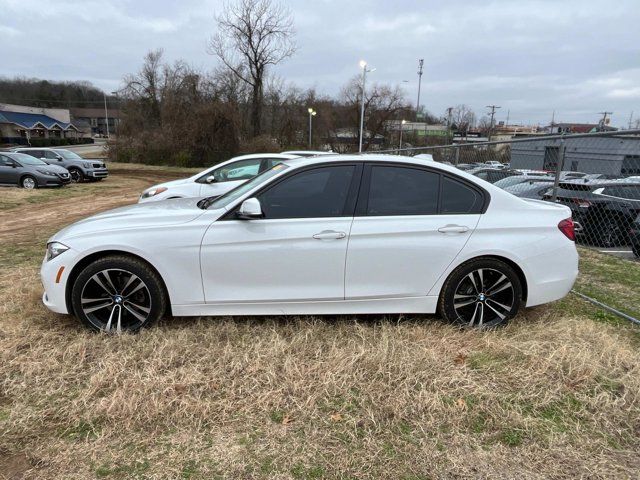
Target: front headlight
[(54, 249), (86, 165), (45, 172), (152, 192)]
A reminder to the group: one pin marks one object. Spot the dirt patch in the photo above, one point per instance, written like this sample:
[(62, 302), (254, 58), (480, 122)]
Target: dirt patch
[(13, 466)]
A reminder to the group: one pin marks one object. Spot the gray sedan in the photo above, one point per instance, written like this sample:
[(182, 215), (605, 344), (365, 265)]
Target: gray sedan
[(22, 170)]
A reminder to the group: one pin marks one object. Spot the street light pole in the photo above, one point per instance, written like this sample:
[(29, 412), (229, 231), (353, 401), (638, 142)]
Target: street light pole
[(106, 113), (312, 113), (400, 144), (365, 70)]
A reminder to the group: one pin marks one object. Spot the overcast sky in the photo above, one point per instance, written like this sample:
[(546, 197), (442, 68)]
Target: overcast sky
[(577, 57)]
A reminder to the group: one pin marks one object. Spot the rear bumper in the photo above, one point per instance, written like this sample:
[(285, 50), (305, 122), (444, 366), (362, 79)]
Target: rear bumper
[(551, 274)]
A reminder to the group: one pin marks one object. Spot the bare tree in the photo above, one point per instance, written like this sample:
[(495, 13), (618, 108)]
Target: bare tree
[(253, 35), (462, 118)]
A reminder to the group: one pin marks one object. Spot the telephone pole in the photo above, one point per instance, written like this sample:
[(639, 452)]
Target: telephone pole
[(420, 64), (493, 113), (630, 120)]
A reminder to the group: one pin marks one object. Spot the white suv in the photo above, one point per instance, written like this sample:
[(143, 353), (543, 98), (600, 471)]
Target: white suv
[(216, 180)]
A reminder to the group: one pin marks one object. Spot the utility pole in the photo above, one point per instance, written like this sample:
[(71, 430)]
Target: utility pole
[(106, 114), (603, 122), (630, 120), (493, 113), (365, 70), (420, 64)]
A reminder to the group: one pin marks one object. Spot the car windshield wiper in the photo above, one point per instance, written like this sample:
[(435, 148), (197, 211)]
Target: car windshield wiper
[(206, 202)]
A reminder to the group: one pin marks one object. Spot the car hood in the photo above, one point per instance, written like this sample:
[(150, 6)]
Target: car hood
[(173, 183), (51, 168), (140, 215)]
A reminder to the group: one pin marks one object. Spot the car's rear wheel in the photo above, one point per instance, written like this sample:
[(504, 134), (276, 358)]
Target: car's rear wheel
[(481, 293), (118, 293), (76, 175), (28, 182)]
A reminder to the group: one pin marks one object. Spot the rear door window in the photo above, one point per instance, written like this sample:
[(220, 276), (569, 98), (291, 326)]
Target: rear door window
[(402, 191), (458, 198)]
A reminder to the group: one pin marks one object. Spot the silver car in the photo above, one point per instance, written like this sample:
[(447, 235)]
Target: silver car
[(18, 169)]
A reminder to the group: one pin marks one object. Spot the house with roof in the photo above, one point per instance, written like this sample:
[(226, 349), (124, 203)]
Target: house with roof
[(19, 124)]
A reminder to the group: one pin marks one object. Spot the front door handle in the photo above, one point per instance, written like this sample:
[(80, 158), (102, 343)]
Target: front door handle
[(453, 229), (329, 235)]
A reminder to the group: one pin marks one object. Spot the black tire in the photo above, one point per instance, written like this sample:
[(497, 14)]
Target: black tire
[(106, 290), (484, 300), (76, 175), (610, 233), (28, 182)]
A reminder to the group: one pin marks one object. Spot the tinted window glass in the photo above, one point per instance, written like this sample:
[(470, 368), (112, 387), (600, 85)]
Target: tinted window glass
[(459, 198), (242, 170), (631, 192), (321, 192), (50, 155), (403, 191), (4, 161)]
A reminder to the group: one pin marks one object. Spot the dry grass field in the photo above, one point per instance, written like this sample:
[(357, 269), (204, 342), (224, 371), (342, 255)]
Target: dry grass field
[(556, 394)]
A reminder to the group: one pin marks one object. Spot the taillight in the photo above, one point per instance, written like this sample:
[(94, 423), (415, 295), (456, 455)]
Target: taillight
[(567, 227)]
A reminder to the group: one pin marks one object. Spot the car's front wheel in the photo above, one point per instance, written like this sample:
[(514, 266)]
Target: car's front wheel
[(28, 182), (481, 293), (118, 293), (76, 175)]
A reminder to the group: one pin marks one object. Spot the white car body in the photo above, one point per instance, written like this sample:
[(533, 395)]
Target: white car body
[(217, 265), (197, 185)]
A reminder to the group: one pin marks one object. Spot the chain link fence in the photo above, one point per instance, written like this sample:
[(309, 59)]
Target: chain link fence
[(597, 175)]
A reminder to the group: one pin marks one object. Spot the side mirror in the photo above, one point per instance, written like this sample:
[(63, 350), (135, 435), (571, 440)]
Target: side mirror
[(210, 179), (250, 209)]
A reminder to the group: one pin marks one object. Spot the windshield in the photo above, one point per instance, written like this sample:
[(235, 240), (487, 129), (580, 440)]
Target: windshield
[(25, 159), (68, 155), (240, 190)]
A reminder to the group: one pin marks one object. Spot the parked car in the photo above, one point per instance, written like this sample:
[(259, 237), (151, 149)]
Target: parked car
[(80, 168), (492, 175), (533, 188), (634, 236), (520, 179), (466, 166), (323, 235), (17, 169), (604, 208), (307, 153), (216, 180), (494, 164)]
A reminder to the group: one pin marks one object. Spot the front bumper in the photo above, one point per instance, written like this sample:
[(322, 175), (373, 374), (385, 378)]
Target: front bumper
[(55, 282), (97, 173), (53, 180)]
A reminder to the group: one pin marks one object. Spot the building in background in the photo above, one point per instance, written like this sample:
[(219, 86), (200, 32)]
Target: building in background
[(96, 120), (20, 124), (616, 155)]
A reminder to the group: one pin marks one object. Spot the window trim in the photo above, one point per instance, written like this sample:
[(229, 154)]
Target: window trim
[(363, 198), (350, 202)]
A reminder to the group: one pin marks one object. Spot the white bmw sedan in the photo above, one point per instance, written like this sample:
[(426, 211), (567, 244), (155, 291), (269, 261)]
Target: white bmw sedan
[(324, 235), (216, 180)]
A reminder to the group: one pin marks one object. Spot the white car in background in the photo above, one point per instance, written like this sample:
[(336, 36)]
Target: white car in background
[(348, 234), (216, 180)]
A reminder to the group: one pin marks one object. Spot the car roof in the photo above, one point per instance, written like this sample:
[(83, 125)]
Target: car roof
[(249, 156), (307, 152)]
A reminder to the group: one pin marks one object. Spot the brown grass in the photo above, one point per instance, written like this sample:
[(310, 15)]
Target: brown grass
[(556, 394)]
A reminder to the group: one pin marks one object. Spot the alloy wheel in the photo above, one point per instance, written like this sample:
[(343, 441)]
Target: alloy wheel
[(76, 175), (29, 183), (483, 297), (116, 299)]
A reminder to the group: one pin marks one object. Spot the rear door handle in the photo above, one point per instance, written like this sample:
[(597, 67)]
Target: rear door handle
[(453, 229), (329, 235)]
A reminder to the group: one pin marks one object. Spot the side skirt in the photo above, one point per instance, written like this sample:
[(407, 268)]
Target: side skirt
[(329, 307)]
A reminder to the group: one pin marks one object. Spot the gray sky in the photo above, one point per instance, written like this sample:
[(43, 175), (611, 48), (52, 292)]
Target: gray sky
[(577, 57)]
